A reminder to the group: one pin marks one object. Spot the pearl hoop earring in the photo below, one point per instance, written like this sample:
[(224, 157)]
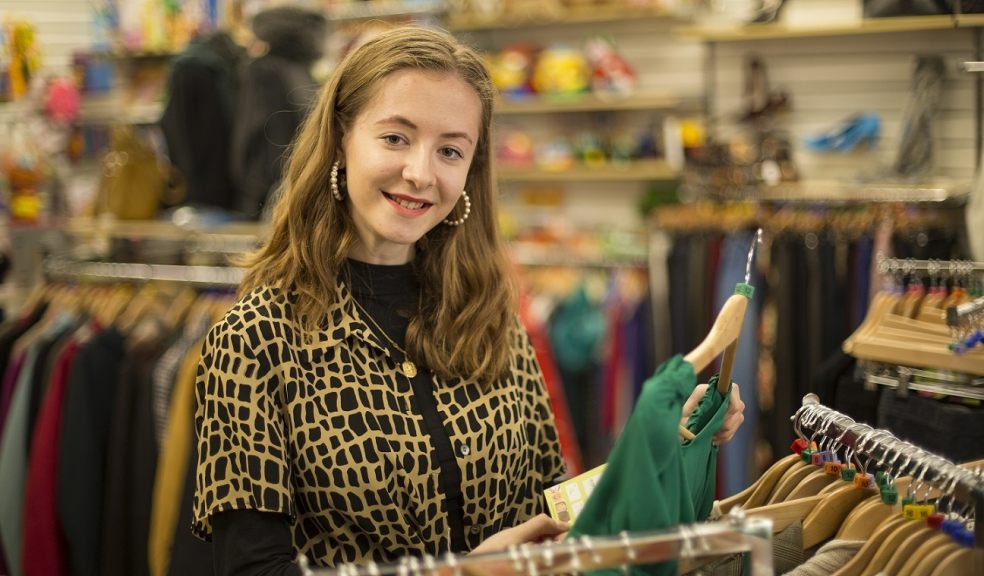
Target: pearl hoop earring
[(464, 216), (334, 182)]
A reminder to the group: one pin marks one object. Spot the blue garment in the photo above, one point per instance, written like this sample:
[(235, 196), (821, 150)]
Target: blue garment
[(862, 281), (738, 455)]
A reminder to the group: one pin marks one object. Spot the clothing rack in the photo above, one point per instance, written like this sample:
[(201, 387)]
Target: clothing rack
[(583, 263), (956, 314), (735, 534), (894, 454), (206, 276), (908, 265), (903, 379)]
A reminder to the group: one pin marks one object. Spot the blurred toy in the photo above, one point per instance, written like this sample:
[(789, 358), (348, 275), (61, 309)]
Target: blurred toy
[(610, 72), (61, 101), (515, 149), (590, 150), (623, 148), (561, 71), (555, 156), (511, 69), (25, 59)]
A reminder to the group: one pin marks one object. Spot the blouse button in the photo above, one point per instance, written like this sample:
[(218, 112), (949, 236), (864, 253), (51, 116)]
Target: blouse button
[(475, 529), (464, 450)]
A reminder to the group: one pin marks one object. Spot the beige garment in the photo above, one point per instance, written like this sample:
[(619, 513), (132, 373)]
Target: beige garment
[(828, 558), (172, 464)]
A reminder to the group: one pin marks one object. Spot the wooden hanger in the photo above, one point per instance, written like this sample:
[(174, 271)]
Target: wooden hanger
[(789, 481), (724, 331), (881, 304), (824, 520), (958, 563), (873, 540), (812, 484), (908, 546), (726, 328), (785, 513), (934, 549), (758, 493), (891, 546)]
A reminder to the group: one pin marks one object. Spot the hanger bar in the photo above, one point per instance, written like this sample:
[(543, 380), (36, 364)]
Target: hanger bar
[(963, 391), (956, 314), (737, 533), (967, 485), (953, 267), (215, 276)]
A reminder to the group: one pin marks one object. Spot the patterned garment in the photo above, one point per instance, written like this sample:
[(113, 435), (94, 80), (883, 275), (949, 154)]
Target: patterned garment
[(329, 432)]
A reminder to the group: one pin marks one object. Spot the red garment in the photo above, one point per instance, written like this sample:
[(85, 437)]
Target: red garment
[(44, 549), (555, 390), (612, 368)]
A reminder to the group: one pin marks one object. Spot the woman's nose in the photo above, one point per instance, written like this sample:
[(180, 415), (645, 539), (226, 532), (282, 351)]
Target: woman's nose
[(418, 169)]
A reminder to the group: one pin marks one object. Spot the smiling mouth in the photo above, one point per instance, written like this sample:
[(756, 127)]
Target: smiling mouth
[(408, 204)]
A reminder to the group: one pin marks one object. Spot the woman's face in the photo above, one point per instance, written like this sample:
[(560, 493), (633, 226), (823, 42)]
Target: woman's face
[(406, 159)]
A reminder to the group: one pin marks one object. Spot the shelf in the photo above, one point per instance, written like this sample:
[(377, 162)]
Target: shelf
[(867, 26), (113, 111), (18, 110), (632, 172), (570, 15), (586, 103), (385, 9), (840, 191), (162, 230)]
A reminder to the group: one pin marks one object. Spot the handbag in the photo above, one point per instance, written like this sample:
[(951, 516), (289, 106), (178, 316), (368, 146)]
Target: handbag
[(133, 179)]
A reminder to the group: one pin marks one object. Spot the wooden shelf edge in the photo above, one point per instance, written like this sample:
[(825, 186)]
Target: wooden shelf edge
[(586, 15), (589, 102), (632, 172), (865, 26)]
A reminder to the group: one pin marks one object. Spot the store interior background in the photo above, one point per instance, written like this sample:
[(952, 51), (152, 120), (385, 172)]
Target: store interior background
[(593, 232)]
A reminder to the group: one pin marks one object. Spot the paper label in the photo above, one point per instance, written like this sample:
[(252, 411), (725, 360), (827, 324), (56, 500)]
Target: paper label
[(565, 500)]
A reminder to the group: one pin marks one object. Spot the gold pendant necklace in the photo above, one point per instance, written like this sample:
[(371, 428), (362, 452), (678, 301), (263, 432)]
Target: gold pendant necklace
[(408, 368)]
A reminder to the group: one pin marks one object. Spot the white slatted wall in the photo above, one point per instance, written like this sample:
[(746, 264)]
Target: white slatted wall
[(63, 27), (831, 78), (828, 78)]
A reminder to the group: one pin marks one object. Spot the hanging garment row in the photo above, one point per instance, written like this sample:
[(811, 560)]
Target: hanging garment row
[(97, 453), (816, 273), (854, 500), (592, 330)]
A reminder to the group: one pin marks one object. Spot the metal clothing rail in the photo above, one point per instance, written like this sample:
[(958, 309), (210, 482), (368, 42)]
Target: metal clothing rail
[(956, 314), (896, 455), (735, 534), (907, 265), (206, 276)]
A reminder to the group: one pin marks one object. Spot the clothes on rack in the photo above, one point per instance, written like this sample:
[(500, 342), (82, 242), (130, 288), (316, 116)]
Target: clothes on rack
[(77, 477), (813, 278), (600, 335)]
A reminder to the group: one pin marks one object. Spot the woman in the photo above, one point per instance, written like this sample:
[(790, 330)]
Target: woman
[(373, 395)]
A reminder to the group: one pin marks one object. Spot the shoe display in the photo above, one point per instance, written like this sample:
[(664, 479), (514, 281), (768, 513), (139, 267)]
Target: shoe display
[(855, 131)]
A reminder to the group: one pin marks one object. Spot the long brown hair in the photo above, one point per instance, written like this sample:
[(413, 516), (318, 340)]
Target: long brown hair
[(467, 309)]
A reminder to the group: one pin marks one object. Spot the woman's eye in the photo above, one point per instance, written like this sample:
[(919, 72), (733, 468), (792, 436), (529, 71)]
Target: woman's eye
[(393, 139), (451, 153)]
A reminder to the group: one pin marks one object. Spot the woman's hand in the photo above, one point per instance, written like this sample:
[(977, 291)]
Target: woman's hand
[(536, 529), (732, 418)]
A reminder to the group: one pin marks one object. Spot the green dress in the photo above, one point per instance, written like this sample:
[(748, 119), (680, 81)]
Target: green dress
[(652, 481)]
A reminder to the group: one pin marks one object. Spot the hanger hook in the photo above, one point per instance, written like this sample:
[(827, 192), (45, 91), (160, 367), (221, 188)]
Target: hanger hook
[(531, 568), (451, 559), (751, 255)]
